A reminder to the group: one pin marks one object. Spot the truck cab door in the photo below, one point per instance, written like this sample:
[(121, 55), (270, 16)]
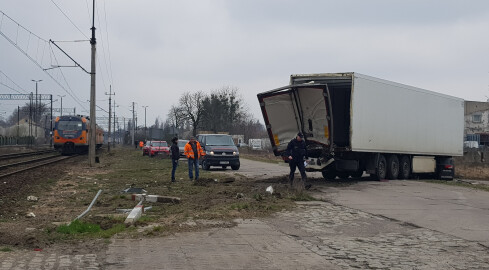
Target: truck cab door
[(300, 108)]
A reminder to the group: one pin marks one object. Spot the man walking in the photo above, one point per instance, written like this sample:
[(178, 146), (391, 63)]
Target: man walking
[(175, 155), (297, 153), (193, 151)]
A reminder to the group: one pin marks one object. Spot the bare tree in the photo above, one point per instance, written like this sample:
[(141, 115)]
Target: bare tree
[(190, 105)]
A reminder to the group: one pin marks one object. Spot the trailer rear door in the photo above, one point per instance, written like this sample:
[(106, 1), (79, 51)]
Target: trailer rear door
[(299, 108)]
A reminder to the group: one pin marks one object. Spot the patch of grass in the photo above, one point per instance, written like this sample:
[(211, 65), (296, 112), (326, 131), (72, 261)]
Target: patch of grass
[(239, 206), (5, 249), (112, 231), (79, 227)]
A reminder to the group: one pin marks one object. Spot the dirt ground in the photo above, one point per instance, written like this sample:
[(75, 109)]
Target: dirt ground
[(66, 189)]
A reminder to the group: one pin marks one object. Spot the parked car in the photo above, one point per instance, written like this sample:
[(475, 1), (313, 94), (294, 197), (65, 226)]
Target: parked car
[(220, 150), (181, 146), (146, 147), (242, 145), (159, 148)]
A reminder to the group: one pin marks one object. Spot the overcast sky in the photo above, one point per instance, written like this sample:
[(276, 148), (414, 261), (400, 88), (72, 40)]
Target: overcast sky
[(151, 51)]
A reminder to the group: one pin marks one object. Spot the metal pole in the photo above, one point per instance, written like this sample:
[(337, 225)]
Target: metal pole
[(91, 148), (36, 109), (113, 139), (61, 100), (133, 128), (110, 116), (30, 120), (18, 124), (145, 128), (51, 131)]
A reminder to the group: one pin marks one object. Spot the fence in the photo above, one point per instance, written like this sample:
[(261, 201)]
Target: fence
[(11, 140)]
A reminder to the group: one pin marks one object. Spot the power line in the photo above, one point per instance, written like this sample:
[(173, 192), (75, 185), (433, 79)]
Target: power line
[(16, 45), (69, 18), (108, 45), (20, 88)]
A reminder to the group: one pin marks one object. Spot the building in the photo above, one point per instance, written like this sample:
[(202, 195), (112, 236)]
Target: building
[(477, 122)]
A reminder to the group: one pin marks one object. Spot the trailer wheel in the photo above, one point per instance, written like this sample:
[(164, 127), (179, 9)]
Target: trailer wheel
[(392, 167), (381, 170), (329, 174), (404, 168)]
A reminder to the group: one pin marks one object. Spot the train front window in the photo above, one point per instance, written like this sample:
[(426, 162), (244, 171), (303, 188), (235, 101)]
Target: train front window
[(70, 125)]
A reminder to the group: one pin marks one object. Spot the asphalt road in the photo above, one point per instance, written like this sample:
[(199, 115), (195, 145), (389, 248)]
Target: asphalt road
[(457, 211)]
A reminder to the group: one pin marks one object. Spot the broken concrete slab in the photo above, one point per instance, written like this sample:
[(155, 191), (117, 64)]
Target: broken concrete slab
[(155, 198), (135, 214)]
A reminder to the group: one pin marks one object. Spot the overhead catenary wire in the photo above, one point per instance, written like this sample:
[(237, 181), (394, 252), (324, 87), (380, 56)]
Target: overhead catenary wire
[(17, 46), (22, 91), (69, 19)]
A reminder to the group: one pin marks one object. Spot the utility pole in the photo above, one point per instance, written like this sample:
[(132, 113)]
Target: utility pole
[(18, 123), (30, 120), (133, 123), (110, 115), (113, 140), (61, 97), (145, 129), (91, 148), (51, 131), (35, 110)]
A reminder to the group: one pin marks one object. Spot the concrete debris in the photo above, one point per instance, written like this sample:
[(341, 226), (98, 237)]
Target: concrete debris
[(269, 189), (129, 210), (32, 198), (135, 214), (134, 190), (155, 198), (30, 215)]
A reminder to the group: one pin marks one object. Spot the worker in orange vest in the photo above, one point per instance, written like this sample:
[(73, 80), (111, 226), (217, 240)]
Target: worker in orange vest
[(193, 151), (141, 144)]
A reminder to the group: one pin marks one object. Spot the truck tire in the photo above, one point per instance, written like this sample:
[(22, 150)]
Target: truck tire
[(329, 175), (235, 167), (392, 167), (381, 168), (343, 175), (205, 165), (404, 168)]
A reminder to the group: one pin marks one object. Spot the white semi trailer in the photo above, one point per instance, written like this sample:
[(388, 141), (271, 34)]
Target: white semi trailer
[(355, 123)]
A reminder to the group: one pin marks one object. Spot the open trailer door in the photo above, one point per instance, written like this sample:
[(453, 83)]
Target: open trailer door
[(299, 108)]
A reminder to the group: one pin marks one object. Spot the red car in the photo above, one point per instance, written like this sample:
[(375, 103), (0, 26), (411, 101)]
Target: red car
[(159, 148), (146, 148)]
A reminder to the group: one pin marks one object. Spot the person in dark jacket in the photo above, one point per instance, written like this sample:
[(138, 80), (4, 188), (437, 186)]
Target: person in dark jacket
[(175, 155), (297, 153)]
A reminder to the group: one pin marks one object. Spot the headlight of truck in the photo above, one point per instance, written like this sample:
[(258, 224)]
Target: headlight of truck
[(209, 153), (235, 153)]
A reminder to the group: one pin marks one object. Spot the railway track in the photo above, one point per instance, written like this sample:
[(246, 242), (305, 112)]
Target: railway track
[(26, 154), (18, 167)]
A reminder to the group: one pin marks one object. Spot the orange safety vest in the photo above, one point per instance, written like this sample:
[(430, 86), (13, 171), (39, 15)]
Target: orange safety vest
[(189, 153), (141, 144)]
